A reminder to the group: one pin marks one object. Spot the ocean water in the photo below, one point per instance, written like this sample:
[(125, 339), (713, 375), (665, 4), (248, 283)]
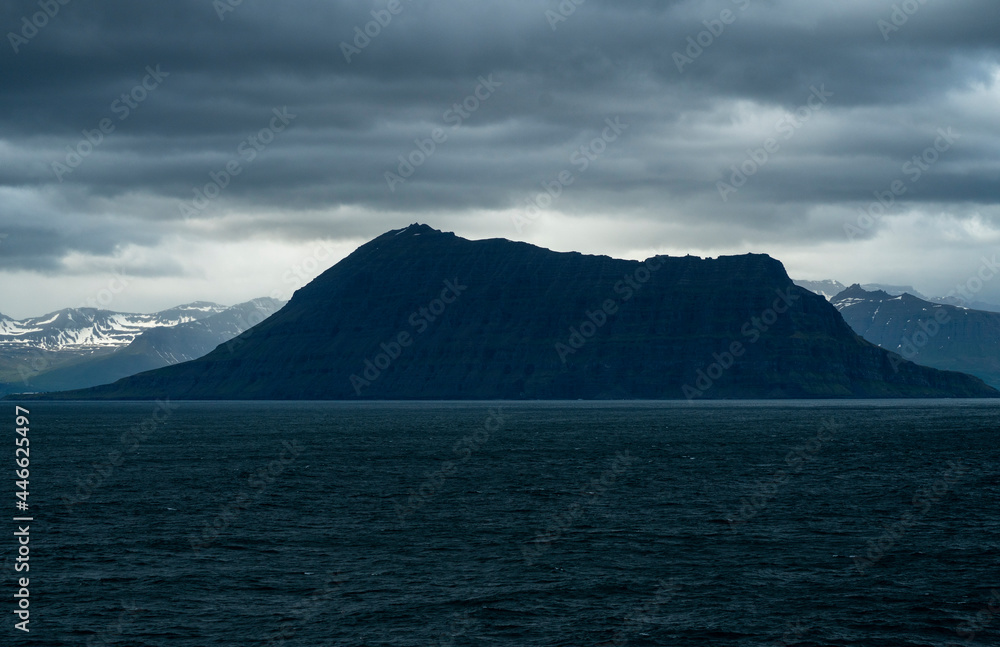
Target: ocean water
[(485, 523)]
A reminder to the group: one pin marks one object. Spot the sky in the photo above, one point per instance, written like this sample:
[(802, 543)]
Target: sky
[(157, 153)]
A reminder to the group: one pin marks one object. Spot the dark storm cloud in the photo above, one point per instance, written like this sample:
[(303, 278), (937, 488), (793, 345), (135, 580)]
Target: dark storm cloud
[(217, 77)]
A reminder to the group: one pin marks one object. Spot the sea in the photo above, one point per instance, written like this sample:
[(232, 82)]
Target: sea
[(811, 523)]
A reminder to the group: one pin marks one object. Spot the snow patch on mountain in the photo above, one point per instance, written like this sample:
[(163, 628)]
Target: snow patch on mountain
[(91, 329)]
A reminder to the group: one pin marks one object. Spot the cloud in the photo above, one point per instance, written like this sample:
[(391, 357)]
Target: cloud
[(168, 138)]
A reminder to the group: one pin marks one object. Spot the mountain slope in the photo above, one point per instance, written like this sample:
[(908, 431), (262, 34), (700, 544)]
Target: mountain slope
[(91, 328), (830, 288), (417, 313), (827, 288), (153, 348), (931, 334), (29, 347), (954, 300)]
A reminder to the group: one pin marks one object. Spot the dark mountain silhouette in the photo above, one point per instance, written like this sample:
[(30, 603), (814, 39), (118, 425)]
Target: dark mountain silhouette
[(417, 313), (931, 334)]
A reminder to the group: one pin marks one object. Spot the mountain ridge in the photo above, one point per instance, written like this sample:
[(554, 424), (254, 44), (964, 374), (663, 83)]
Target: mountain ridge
[(932, 334), (430, 315), (39, 366), (94, 327), (830, 288)]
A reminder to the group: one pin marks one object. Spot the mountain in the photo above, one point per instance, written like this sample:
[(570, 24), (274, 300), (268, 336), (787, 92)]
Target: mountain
[(78, 348), (931, 334), (829, 289), (967, 303), (421, 314), (893, 290), (825, 288), (31, 346), (91, 328), (192, 340)]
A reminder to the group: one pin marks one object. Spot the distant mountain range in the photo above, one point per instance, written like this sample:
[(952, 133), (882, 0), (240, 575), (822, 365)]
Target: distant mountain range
[(931, 334), (81, 347), (91, 328), (827, 289), (830, 289), (421, 314)]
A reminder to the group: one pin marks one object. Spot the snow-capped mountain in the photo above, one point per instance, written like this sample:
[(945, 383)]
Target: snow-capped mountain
[(933, 334), (893, 290), (191, 340), (92, 329), (830, 288), (81, 347), (966, 303)]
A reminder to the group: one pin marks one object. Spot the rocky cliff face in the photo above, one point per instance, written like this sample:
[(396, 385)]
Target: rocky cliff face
[(931, 334), (417, 313)]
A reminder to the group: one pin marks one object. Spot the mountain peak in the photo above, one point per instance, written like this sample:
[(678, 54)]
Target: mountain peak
[(416, 229), (825, 288), (933, 334), (855, 291), (422, 314), (198, 305), (417, 232)]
